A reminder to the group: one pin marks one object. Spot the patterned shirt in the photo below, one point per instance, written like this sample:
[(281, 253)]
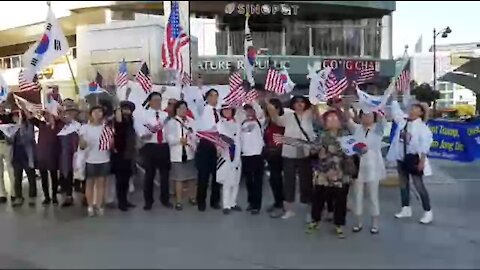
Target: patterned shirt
[(333, 167)]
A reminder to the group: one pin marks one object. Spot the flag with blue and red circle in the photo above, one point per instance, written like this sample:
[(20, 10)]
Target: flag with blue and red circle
[(250, 56)]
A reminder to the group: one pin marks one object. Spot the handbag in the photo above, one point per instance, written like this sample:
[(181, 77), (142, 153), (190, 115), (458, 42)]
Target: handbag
[(79, 161), (301, 150), (410, 161)]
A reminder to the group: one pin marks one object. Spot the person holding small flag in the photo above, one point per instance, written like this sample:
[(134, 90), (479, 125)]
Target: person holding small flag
[(229, 164), (124, 150), (23, 158), (156, 151), (5, 156), (180, 136), (96, 139), (206, 156)]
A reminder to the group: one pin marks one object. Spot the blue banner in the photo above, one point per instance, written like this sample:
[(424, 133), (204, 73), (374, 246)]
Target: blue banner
[(458, 141)]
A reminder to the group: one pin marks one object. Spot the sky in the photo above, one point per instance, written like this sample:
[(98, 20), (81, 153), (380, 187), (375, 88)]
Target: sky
[(415, 18), (410, 20)]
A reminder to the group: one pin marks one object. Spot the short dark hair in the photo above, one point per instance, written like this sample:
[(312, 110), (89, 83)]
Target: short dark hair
[(178, 104), (151, 95), (300, 98), (227, 108), (278, 105), (328, 113), (211, 90), (96, 107), (375, 115)]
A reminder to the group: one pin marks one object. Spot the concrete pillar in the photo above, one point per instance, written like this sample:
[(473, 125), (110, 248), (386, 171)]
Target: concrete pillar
[(284, 41), (387, 37), (229, 42), (310, 41), (362, 37), (108, 16)]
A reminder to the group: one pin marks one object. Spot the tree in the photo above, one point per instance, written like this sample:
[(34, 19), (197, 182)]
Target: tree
[(425, 93)]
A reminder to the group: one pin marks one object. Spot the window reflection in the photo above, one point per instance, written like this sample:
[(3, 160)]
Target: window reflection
[(353, 38)]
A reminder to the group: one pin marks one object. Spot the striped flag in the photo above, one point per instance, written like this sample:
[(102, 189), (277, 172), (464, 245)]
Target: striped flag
[(251, 96), (236, 97), (27, 105), (274, 82), (213, 137), (25, 85), (402, 83), (366, 74), (106, 139), (335, 86), (144, 79), (121, 80), (175, 39), (186, 79), (235, 81)]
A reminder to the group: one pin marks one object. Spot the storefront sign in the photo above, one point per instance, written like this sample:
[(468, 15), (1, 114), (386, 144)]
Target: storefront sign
[(261, 9), (350, 65), (226, 65)]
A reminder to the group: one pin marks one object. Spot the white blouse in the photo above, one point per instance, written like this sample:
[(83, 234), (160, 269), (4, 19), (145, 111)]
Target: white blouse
[(174, 131), (372, 166), (418, 135)]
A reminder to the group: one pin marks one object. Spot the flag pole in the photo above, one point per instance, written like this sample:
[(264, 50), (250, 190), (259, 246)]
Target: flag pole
[(77, 91)]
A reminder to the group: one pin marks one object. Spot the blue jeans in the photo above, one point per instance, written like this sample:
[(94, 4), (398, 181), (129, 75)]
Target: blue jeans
[(404, 179)]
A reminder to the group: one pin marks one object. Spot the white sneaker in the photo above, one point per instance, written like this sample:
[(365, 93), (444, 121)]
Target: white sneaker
[(406, 212), (288, 214), (101, 211), (427, 217), (308, 218), (91, 212)]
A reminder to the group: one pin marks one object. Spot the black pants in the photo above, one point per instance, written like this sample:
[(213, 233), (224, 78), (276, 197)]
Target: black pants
[(339, 200), (66, 181), (275, 166), (122, 168), (206, 163), (253, 168), (32, 184), (156, 157), (45, 183)]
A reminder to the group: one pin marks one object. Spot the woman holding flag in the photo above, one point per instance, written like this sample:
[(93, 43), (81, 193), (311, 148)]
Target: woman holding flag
[(96, 139), (371, 166)]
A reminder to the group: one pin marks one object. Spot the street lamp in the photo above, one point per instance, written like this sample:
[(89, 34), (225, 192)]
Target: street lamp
[(444, 32)]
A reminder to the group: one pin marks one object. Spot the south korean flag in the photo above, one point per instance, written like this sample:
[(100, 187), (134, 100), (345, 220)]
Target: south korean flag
[(51, 45)]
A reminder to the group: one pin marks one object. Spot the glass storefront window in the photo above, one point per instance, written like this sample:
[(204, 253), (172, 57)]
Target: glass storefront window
[(297, 38), (1, 63), (16, 63), (7, 62)]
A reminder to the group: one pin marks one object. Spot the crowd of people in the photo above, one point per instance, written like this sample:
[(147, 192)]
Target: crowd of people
[(167, 141)]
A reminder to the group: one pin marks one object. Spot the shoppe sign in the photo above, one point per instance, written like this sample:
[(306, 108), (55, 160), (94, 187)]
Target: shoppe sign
[(261, 9)]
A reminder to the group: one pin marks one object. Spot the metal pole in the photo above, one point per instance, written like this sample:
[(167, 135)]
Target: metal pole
[(190, 42), (434, 69), (77, 90)]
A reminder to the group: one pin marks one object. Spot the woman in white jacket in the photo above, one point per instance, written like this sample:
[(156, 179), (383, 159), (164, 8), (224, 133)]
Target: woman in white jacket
[(409, 148), (229, 163), (182, 141), (372, 167)]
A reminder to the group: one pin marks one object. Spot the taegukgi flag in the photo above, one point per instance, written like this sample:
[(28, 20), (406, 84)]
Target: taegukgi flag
[(3, 89), (52, 45)]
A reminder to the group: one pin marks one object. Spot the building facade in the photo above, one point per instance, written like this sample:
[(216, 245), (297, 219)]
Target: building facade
[(448, 58), (292, 34)]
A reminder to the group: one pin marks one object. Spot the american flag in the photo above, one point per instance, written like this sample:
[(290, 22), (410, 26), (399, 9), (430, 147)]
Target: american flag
[(237, 94), (335, 87), (251, 96), (280, 139), (402, 83), (29, 106), (121, 80), (144, 79), (106, 139), (175, 39), (213, 137), (274, 82), (186, 79), (25, 85), (366, 74)]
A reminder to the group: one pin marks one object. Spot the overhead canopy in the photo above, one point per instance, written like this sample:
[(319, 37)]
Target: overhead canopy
[(467, 75)]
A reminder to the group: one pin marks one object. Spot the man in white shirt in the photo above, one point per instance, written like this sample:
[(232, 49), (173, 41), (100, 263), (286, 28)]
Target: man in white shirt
[(156, 152), (252, 160), (206, 156)]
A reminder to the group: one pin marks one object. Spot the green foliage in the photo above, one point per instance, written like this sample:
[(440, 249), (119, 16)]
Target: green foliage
[(425, 93)]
